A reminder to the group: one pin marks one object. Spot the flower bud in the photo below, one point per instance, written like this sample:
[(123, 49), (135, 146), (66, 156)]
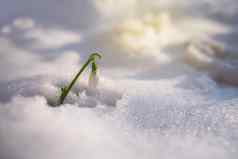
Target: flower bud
[(93, 77)]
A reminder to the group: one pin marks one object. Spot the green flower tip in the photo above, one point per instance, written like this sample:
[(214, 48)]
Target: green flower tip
[(94, 55)]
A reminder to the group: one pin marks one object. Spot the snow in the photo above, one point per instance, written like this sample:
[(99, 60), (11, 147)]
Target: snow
[(149, 103)]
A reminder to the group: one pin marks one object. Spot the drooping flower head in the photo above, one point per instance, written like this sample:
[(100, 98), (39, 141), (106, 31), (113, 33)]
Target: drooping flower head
[(93, 77)]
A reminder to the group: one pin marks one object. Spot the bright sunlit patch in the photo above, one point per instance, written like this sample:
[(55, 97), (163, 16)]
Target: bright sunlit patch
[(149, 32), (138, 34)]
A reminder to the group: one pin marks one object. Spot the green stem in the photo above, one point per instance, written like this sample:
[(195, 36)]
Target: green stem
[(66, 90)]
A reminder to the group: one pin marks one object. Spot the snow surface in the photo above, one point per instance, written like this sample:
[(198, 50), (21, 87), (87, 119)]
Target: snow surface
[(149, 103)]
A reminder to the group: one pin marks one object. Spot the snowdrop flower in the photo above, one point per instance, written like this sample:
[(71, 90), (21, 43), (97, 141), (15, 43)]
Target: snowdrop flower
[(93, 77), (66, 89)]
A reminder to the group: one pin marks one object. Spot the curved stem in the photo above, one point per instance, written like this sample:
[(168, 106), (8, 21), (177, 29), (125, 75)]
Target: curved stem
[(66, 90)]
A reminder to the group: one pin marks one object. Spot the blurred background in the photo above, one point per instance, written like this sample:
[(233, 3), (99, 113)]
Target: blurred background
[(167, 84)]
